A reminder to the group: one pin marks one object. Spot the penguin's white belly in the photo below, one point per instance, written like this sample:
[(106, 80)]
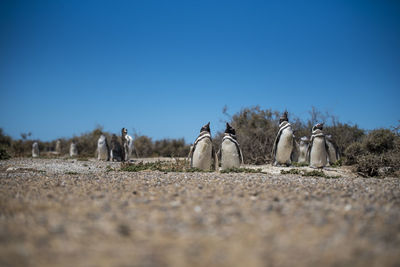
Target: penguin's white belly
[(318, 153), (35, 152), (103, 152), (202, 155), (332, 153), (303, 153), (284, 147), (230, 157), (73, 151)]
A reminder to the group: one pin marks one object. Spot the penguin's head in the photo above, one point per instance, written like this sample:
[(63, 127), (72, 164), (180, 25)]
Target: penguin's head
[(206, 128), (319, 126), (124, 131), (284, 117), (229, 129)]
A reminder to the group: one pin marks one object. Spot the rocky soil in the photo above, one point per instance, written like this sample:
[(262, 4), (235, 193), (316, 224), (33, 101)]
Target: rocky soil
[(63, 212)]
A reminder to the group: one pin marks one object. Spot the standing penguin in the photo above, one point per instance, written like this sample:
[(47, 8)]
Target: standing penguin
[(127, 143), (317, 153), (116, 152), (333, 151), (231, 154), (303, 147), (284, 142), (73, 150), (102, 148), (202, 154), (58, 147), (35, 150)]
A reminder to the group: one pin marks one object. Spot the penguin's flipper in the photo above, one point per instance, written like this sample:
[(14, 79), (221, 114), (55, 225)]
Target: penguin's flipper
[(273, 153)]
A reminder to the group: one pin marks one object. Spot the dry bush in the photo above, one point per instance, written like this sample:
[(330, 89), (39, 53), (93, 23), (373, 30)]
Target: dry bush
[(379, 141), (171, 148), (344, 135), (377, 154), (143, 145)]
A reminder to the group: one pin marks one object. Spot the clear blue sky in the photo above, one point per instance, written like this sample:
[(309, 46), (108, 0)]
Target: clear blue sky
[(165, 68)]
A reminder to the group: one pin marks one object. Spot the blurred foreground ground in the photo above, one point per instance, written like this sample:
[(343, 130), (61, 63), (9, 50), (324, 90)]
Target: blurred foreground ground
[(56, 212)]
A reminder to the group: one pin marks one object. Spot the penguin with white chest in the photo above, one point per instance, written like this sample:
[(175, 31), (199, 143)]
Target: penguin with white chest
[(303, 147), (103, 152), (58, 147), (127, 143), (231, 154), (317, 153), (35, 150), (73, 149), (284, 142), (202, 155)]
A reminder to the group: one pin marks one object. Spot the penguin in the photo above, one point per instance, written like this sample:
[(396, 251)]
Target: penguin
[(202, 154), (317, 153), (303, 147), (102, 148), (58, 147), (116, 151), (35, 150), (127, 144), (73, 150), (231, 154), (333, 151), (284, 142)]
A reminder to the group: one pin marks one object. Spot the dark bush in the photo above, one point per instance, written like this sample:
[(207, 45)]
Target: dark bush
[(378, 153), (353, 152), (4, 153), (379, 141)]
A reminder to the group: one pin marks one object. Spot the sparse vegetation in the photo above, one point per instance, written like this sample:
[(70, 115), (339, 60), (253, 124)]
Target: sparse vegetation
[(163, 166), (242, 170), (313, 173), (71, 173)]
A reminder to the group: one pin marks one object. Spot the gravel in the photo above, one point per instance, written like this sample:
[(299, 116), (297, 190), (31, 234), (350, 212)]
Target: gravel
[(64, 212)]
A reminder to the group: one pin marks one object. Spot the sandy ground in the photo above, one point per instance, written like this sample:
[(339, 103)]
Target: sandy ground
[(58, 212)]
